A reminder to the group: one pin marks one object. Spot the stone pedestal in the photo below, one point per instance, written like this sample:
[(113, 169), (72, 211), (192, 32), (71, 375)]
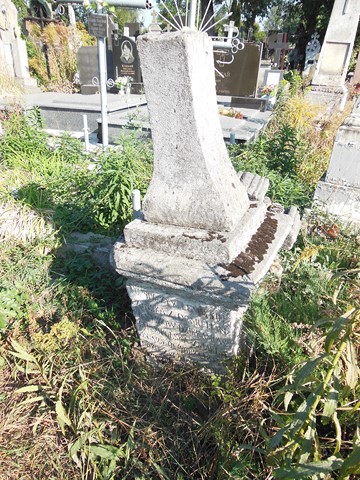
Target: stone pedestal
[(339, 192), (208, 236), (331, 69)]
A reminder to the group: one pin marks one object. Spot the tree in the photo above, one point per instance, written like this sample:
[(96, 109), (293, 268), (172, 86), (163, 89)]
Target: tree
[(249, 10), (243, 12), (305, 18)]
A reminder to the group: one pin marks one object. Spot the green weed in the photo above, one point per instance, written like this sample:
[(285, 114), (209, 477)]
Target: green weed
[(317, 394)]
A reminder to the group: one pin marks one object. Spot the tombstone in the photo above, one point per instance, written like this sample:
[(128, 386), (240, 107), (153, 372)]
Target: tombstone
[(356, 78), (13, 54), (273, 77), (339, 192), (240, 77), (87, 58), (327, 86), (133, 29), (313, 48), (154, 27), (338, 44), (208, 235), (126, 62), (278, 42)]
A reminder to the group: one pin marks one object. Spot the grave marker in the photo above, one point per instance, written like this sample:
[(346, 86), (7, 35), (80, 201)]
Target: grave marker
[(313, 49), (13, 54), (208, 235), (339, 192), (98, 25), (279, 43), (126, 61), (338, 44), (240, 77)]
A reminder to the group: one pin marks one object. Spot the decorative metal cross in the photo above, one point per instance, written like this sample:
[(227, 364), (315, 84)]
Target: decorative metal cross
[(231, 30)]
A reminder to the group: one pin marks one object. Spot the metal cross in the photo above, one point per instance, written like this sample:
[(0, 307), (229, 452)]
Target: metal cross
[(231, 30)]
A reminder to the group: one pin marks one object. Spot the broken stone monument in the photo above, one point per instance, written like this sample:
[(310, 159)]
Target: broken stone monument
[(331, 69), (339, 192), (13, 55), (208, 236)]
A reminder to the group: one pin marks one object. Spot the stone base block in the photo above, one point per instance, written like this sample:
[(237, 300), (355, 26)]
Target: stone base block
[(183, 329), (341, 201), (327, 98), (195, 243), (191, 308), (89, 89)]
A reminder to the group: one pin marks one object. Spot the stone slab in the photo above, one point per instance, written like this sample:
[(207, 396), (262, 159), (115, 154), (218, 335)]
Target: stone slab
[(230, 282), (252, 103), (193, 278), (245, 130), (341, 201), (63, 111), (344, 166), (194, 243), (328, 99)]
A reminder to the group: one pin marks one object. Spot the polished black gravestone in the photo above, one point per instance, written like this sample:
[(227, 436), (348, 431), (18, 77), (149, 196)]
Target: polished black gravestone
[(240, 78), (87, 58), (126, 61)]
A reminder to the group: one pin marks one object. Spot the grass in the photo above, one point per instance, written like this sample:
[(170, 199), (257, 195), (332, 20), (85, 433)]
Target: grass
[(9, 87), (79, 399), (294, 151)]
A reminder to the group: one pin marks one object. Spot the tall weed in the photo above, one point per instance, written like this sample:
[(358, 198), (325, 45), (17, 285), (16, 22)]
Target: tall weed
[(58, 178), (294, 151), (317, 434)]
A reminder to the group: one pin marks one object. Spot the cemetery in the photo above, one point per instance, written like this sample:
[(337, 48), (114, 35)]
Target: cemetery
[(180, 240)]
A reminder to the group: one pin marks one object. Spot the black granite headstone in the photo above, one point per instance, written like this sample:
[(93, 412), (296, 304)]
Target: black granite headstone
[(126, 61), (87, 58), (240, 76)]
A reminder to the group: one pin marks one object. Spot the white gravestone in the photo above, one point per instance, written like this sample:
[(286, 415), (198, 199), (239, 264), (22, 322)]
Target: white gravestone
[(13, 55), (339, 192), (338, 44), (313, 48), (208, 235), (192, 148)]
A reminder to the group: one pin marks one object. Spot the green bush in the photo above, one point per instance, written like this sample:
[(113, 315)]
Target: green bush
[(85, 196)]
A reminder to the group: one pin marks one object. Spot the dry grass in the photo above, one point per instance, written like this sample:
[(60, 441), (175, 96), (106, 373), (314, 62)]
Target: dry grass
[(9, 87), (31, 445), (21, 223)]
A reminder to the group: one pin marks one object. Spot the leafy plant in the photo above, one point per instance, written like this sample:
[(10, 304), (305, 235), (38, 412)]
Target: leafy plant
[(52, 56), (318, 394)]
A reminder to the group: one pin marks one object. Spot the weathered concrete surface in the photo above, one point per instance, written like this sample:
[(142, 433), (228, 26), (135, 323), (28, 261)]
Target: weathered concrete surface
[(13, 54), (344, 167), (343, 202), (338, 44), (183, 328), (339, 192), (208, 235), (182, 104)]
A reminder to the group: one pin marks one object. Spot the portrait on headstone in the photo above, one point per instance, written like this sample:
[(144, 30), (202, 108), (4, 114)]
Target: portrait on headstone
[(126, 52), (126, 61)]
